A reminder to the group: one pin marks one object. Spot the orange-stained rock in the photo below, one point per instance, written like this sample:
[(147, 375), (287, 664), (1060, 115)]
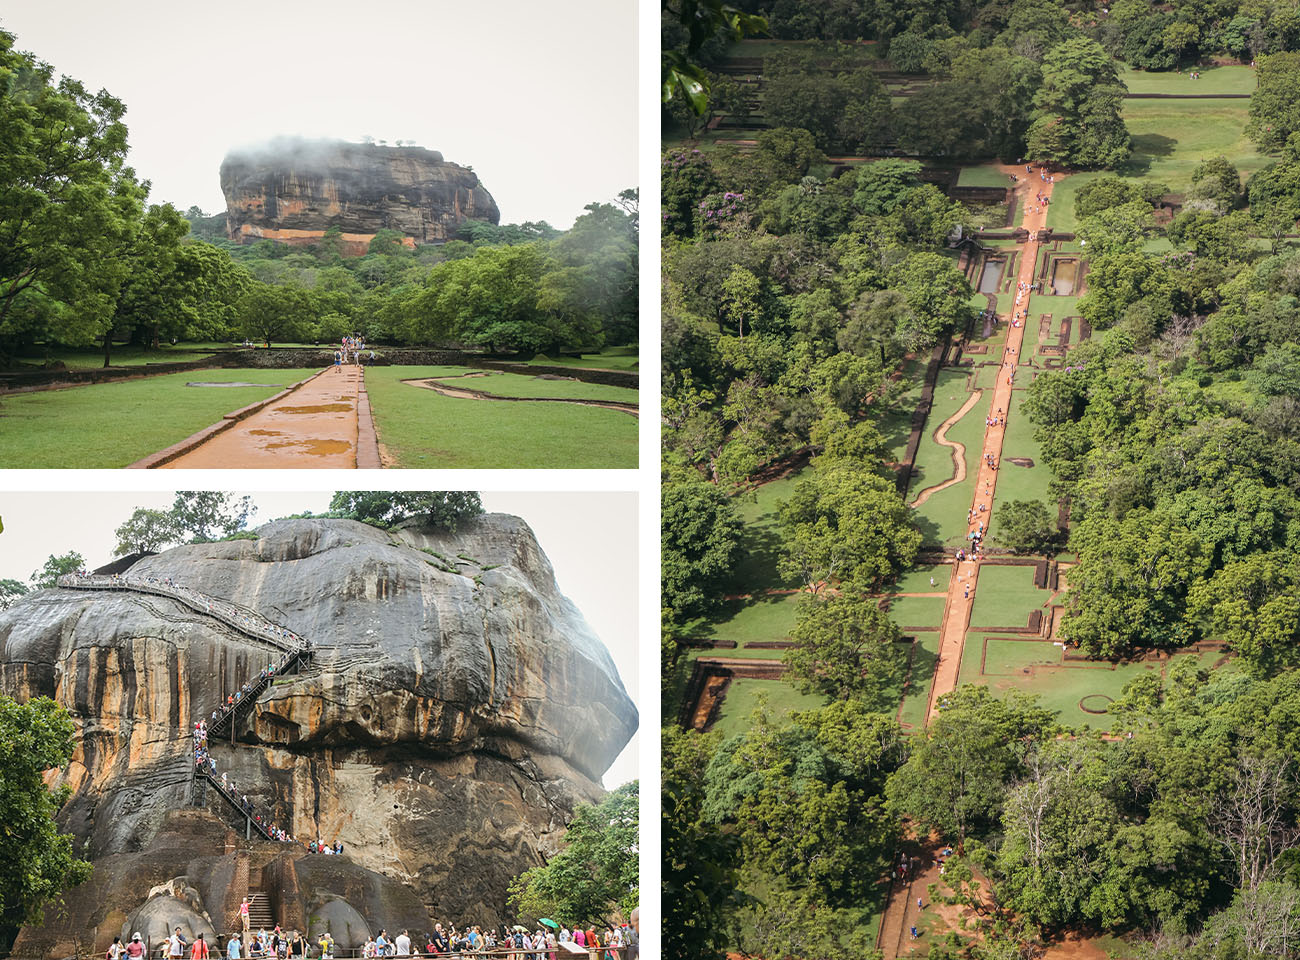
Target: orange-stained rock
[(293, 190)]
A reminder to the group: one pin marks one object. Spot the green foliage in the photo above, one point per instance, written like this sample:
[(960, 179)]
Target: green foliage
[(804, 799), (957, 773), (146, 531), (846, 647), (701, 545), (845, 526), (69, 206), (594, 877), (10, 592), (1026, 526), (208, 515), (1275, 104), (1078, 118), (38, 860), (844, 106), (699, 879), (386, 508), (56, 566)]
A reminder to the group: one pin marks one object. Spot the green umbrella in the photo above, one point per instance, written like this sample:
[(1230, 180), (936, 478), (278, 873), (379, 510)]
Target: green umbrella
[(550, 923)]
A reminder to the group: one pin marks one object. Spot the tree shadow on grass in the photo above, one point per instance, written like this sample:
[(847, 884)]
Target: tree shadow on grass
[(1146, 147)]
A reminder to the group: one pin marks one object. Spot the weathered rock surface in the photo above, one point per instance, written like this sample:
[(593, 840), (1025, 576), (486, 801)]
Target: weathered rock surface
[(444, 731), (294, 190)]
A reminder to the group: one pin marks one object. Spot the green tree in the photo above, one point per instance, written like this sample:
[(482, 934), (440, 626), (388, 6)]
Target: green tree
[(700, 548), (1275, 102), (938, 297), (57, 565), (38, 860), (68, 204), (385, 508), (594, 877), (10, 592), (700, 872), (845, 647), (1078, 115), (1026, 526), (843, 525), (956, 777), (208, 515), (145, 531)]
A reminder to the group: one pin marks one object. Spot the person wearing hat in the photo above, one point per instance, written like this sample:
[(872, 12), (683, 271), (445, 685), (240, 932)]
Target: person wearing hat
[(232, 948), (135, 949)]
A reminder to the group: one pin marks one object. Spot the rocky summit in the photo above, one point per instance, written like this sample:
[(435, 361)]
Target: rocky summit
[(450, 709), (293, 190)]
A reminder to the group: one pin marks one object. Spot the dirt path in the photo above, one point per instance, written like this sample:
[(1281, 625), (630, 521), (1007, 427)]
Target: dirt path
[(961, 593), (958, 451), (315, 426), (901, 911), (462, 393)]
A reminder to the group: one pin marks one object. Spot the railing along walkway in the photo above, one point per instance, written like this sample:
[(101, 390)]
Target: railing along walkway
[(247, 622)]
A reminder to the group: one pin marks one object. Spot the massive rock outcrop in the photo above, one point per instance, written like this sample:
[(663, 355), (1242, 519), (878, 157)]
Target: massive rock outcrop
[(456, 709), (294, 190)]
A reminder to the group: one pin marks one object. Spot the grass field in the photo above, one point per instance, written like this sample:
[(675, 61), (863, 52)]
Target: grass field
[(1224, 79), (114, 424), (420, 428), (918, 611), (760, 541), (125, 356), (1016, 482), (742, 699), (983, 175), (519, 385), (759, 619), (1004, 596), (916, 699), (611, 358), (941, 516), (1038, 668)]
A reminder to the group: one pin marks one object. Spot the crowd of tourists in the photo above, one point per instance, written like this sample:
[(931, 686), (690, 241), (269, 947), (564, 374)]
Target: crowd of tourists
[(207, 764), (620, 942), (351, 350)]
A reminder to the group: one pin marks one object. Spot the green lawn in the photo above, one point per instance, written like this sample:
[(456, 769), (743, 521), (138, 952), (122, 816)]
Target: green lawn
[(761, 539), (1038, 668), (918, 611), (1015, 482), (984, 175), (611, 358), (761, 619), (124, 356), (421, 428), (917, 580), (742, 699), (519, 385), (1170, 137), (925, 655), (1005, 596), (1224, 79), (942, 517), (896, 423), (115, 424)]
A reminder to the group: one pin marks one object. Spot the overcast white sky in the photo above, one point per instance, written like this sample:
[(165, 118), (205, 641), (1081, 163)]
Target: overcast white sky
[(539, 98), (590, 538)]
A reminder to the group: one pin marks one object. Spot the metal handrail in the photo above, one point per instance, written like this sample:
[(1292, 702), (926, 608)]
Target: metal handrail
[(260, 628)]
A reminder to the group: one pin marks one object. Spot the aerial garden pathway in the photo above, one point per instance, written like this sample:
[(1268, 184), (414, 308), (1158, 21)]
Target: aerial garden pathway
[(962, 586)]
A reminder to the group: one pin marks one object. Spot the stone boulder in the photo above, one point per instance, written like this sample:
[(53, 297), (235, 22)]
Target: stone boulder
[(293, 190), (455, 711)]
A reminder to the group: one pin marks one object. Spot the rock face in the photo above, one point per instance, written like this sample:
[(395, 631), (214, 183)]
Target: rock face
[(294, 190), (456, 710)]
